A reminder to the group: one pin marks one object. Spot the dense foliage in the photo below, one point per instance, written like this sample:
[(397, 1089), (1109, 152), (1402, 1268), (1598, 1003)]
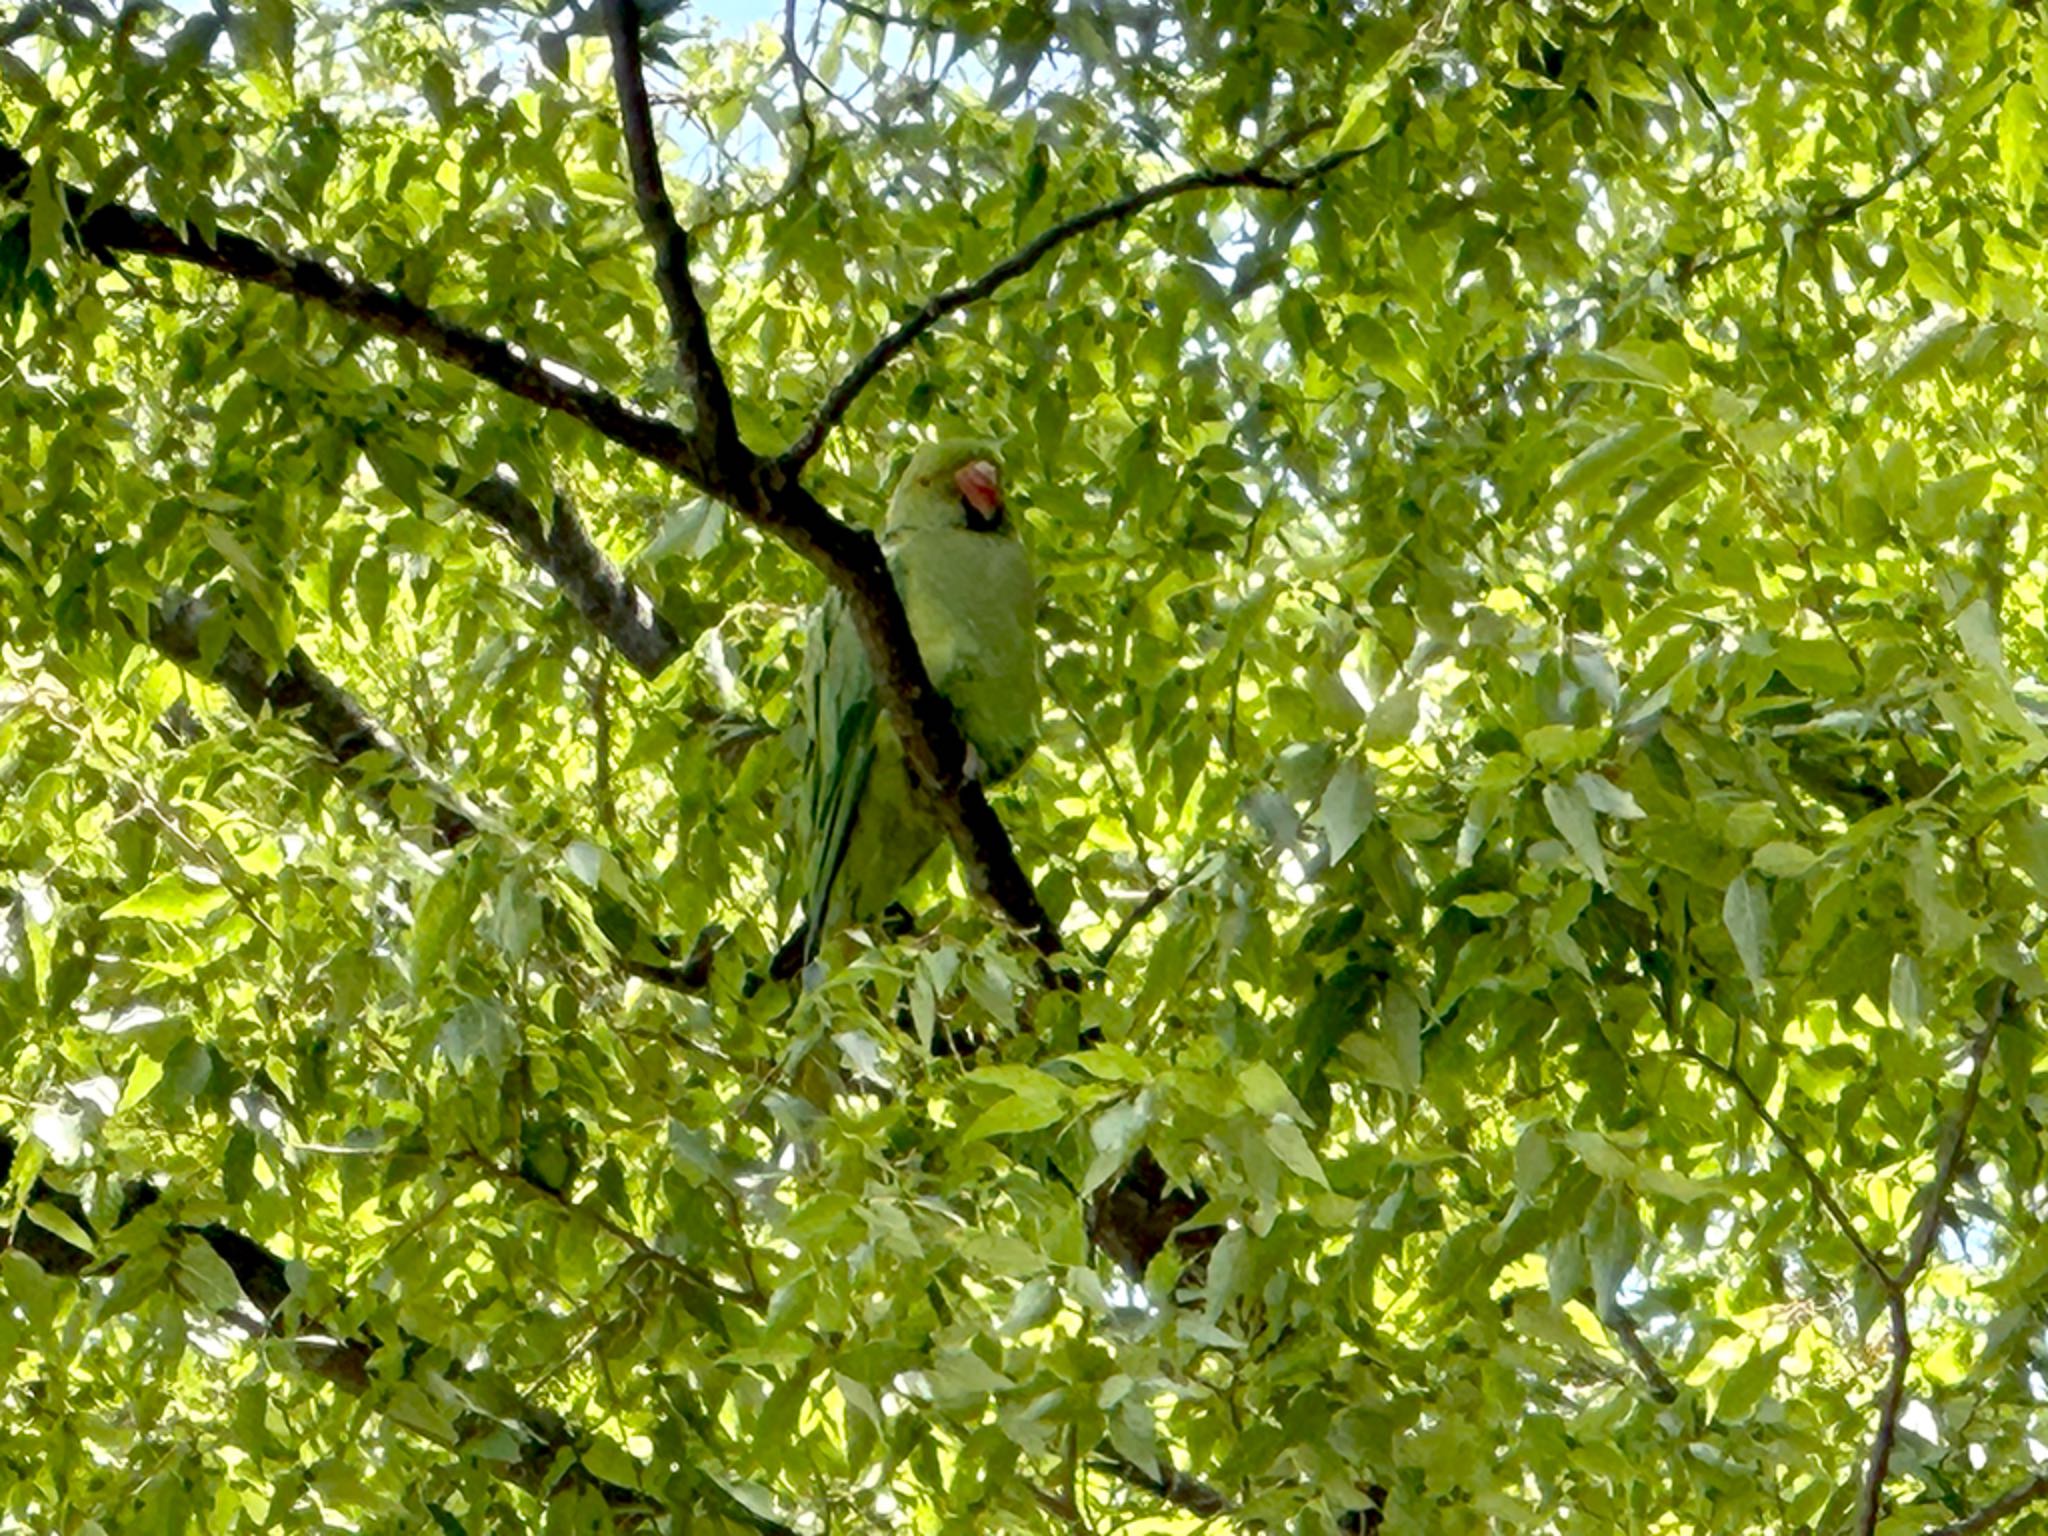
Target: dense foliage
[(1540, 799)]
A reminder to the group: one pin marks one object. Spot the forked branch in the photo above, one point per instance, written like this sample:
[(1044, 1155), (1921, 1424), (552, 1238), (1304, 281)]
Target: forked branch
[(763, 492)]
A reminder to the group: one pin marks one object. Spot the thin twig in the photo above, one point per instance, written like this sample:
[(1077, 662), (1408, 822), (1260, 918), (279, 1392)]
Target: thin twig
[(1823, 1196), (2006, 1504), (1151, 902), (1919, 1250), (882, 18), (1692, 268), (599, 686), (1255, 172), (1116, 785), (800, 69), (689, 1274), (1723, 131), (1623, 1326)]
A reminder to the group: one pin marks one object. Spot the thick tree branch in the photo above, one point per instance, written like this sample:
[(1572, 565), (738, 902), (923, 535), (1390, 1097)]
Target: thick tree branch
[(560, 545), (550, 1450), (931, 735), (344, 731), (764, 492), (301, 692), (1256, 172), (718, 440), (110, 229)]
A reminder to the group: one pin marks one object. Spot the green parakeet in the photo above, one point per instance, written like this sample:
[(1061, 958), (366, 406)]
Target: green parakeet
[(864, 826)]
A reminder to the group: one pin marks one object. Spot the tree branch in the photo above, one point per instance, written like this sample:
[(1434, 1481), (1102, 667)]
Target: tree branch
[(1254, 173), (1890, 1403), (1918, 1251), (1823, 1196), (108, 229), (1622, 1325), (562, 546), (550, 1450), (304, 694), (1691, 268), (343, 731), (2006, 1504), (930, 732), (1896, 1286), (1149, 903), (764, 492), (705, 1289), (1189, 1493), (718, 439)]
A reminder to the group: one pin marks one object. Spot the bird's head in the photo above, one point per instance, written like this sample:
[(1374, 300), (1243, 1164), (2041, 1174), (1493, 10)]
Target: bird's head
[(953, 484)]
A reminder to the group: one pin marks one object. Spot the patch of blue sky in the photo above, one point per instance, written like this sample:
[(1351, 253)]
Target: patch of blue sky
[(737, 16)]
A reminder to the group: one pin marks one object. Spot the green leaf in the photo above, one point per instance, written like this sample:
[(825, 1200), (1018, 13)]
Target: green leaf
[(1488, 903), (1746, 1385), (1611, 457), (1782, 860), (176, 898), (205, 1277), (1265, 1094), (1908, 998), (443, 912), (143, 1076), (1034, 1102), (1747, 912), (960, 1378), (1662, 367), (1602, 1156), (2019, 144), (52, 1218), (1574, 820), (1292, 1148), (1115, 1132)]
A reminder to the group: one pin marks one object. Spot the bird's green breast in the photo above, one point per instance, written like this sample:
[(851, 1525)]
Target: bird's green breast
[(972, 605)]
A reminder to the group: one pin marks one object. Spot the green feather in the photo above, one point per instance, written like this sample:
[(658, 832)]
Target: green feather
[(864, 826)]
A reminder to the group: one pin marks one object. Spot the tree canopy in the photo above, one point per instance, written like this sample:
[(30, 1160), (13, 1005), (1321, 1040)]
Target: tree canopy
[(1506, 999)]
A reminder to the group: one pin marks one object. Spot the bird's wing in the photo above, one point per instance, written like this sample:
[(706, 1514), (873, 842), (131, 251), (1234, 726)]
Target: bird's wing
[(843, 707)]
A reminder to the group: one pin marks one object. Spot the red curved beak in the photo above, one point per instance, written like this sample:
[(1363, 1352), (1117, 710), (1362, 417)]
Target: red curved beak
[(981, 487)]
